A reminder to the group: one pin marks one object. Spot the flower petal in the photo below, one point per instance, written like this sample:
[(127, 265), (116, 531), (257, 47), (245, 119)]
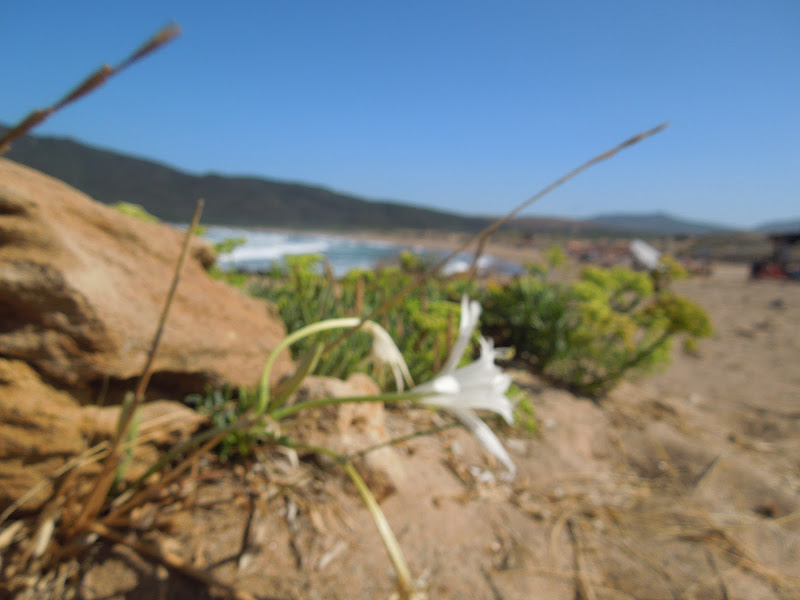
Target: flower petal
[(486, 437), (470, 313), (386, 352), (478, 385), (475, 400)]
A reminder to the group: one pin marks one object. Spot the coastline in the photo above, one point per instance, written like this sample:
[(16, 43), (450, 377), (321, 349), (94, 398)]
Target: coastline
[(432, 240), (419, 241)]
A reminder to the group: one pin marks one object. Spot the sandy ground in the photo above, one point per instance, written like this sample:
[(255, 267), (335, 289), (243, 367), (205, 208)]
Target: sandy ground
[(682, 485)]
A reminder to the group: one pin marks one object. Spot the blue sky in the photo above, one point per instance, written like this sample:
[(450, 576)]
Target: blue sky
[(467, 106)]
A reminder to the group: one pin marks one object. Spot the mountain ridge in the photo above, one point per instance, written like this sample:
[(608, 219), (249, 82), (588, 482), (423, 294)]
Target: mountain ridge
[(782, 226), (170, 193), (660, 223)]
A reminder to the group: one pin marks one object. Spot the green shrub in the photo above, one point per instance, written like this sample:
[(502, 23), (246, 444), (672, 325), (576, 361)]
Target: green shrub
[(588, 335), (224, 407), (228, 245), (532, 315), (423, 323), (237, 279), (135, 210)]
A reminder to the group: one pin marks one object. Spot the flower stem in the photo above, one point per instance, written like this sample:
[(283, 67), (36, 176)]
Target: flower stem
[(263, 387), (404, 581), (281, 413)]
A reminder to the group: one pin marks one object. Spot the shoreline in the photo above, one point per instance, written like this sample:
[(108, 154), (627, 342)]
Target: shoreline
[(449, 242), (518, 252), (421, 240)]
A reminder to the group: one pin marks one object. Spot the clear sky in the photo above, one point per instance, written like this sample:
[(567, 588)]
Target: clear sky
[(463, 105)]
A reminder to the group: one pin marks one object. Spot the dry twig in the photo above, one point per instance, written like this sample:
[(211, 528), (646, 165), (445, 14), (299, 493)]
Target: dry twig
[(91, 83), (483, 236), (94, 501)]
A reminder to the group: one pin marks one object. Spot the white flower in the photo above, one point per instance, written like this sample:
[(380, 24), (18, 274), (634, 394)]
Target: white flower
[(478, 385), (386, 352)]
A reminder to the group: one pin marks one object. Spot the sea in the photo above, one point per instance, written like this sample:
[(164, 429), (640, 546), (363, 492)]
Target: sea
[(262, 248)]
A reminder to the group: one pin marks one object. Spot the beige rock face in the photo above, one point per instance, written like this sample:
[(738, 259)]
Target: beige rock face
[(82, 288), (41, 428), (349, 428)]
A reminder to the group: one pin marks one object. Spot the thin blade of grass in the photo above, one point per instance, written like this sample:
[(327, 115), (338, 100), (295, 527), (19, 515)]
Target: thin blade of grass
[(404, 581), (105, 479), (89, 456)]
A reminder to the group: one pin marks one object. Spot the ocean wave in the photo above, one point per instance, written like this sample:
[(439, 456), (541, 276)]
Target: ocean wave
[(253, 250), (462, 262), (262, 248)]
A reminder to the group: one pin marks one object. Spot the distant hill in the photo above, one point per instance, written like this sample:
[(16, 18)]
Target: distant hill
[(788, 226), (561, 226), (170, 194), (656, 224)]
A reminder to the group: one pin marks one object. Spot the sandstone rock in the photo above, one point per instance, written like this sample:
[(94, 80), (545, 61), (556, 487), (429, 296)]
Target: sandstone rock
[(82, 287), (161, 422), (349, 428), (41, 428), (39, 431)]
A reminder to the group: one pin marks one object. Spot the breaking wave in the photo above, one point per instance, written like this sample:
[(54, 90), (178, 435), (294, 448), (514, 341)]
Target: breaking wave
[(262, 248)]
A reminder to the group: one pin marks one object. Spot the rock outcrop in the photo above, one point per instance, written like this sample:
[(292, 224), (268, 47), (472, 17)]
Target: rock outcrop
[(41, 428), (82, 288), (349, 428)]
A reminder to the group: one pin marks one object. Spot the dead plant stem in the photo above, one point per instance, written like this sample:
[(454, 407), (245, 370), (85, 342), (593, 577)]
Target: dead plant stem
[(95, 498), (92, 82), (149, 492), (482, 237), (148, 369)]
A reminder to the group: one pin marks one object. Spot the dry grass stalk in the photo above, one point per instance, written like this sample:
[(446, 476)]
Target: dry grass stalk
[(88, 457), (152, 491), (359, 303), (585, 589), (94, 501), (9, 534), (631, 141), (91, 83), (482, 237), (148, 369)]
